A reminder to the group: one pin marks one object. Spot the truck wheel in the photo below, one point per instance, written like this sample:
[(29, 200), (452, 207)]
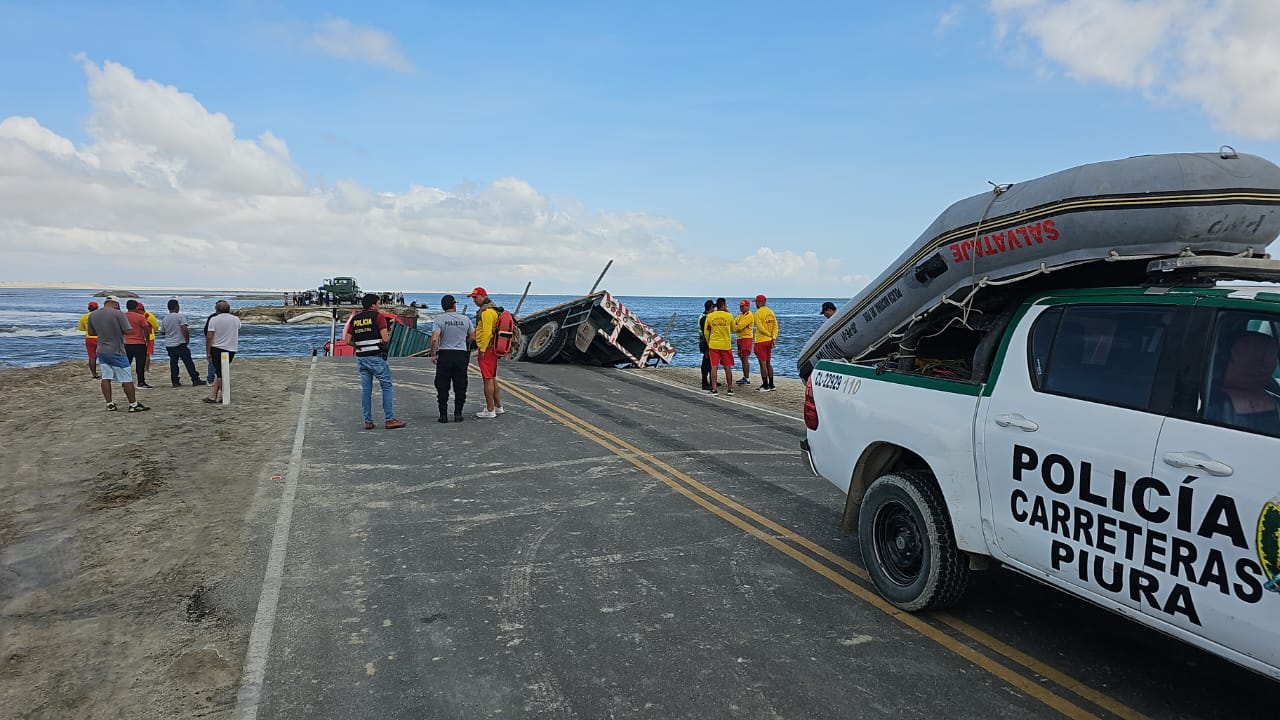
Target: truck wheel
[(908, 545), (546, 342), (520, 349)]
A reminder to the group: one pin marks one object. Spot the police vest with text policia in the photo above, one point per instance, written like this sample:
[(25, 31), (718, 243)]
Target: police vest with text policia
[(366, 333)]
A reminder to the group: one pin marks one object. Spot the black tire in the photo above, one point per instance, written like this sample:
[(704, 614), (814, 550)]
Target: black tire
[(546, 342), (908, 545), (519, 350)]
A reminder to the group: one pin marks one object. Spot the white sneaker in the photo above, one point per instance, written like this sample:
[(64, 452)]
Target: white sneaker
[(498, 410), (486, 414)]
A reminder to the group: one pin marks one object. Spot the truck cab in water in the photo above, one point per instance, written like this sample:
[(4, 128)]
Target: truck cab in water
[(1118, 443)]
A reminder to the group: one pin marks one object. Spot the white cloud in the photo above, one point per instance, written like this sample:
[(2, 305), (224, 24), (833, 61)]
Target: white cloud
[(341, 39), (948, 18), (165, 193), (1220, 55)]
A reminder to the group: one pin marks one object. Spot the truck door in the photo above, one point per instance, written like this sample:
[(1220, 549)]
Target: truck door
[(1067, 437), (1217, 544)]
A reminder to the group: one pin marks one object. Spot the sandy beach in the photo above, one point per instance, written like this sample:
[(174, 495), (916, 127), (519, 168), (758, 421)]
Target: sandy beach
[(130, 563), (124, 538)]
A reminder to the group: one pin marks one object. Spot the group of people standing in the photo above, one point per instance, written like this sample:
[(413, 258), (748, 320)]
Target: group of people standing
[(754, 332), (120, 344), (452, 337)]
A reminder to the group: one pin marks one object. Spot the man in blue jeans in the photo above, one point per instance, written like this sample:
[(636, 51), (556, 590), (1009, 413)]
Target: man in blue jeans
[(368, 332)]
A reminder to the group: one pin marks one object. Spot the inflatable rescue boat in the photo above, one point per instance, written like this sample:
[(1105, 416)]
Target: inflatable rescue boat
[(1093, 219)]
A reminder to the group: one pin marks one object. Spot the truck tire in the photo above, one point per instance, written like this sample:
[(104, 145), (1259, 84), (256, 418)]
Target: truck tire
[(519, 349), (546, 342), (908, 545)]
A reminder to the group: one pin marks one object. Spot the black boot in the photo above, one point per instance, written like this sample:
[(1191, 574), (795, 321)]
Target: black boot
[(457, 414), (444, 415)]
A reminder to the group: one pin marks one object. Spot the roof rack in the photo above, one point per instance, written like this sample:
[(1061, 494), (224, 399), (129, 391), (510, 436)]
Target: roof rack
[(1206, 269)]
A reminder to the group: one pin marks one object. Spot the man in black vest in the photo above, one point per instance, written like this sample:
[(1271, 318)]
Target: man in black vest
[(368, 332)]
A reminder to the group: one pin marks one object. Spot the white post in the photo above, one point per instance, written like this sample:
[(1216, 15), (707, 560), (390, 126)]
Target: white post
[(226, 379)]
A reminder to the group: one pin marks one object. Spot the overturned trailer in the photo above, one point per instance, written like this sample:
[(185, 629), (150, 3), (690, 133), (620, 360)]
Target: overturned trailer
[(595, 329), (1090, 226)]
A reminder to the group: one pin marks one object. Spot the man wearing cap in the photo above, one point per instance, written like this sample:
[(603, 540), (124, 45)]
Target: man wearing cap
[(109, 325), (744, 329), (766, 334), (486, 359), (703, 347), (369, 333), (451, 338), (90, 341), (828, 309)]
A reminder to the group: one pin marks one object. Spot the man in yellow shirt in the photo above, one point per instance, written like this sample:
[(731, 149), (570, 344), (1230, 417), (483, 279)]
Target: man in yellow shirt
[(90, 340), (744, 324), (487, 359), (766, 334), (720, 344)]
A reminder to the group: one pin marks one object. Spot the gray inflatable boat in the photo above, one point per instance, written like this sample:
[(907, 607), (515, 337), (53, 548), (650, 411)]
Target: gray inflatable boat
[(1088, 218)]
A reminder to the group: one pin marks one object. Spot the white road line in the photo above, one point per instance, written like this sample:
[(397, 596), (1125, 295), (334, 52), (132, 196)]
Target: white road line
[(255, 662)]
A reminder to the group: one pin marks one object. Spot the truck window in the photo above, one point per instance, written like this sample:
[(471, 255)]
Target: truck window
[(1041, 340), (1241, 388), (1103, 353)]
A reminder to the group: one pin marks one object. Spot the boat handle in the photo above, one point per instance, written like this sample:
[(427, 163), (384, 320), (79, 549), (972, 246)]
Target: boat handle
[(1198, 460), (1017, 421)]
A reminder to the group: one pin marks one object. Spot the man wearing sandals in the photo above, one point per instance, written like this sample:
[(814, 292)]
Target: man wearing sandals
[(109, 325), (220, 343)]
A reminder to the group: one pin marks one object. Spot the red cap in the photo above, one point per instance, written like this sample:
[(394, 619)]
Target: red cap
[(744, 303), (478, 291), (760, 299), (93, 305), (141, 306)]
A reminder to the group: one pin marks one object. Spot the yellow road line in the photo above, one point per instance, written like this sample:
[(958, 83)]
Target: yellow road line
[(686, 486)]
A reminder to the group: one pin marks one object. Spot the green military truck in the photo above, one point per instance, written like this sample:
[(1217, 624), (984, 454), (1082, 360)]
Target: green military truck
[(341, 289)]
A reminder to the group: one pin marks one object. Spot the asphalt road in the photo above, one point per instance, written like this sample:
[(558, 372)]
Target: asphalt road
[(613, 547)]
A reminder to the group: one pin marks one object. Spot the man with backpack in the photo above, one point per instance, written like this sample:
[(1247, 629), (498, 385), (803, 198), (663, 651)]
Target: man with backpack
[(487, 357)]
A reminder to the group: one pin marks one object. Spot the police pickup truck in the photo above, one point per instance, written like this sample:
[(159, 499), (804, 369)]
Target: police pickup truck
[(1119, 443)]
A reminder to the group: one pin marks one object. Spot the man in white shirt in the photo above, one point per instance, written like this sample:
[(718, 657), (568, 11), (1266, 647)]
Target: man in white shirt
[(220, 343)]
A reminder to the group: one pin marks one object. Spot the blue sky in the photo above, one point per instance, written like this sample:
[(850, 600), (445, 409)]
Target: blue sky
[(709, 148)]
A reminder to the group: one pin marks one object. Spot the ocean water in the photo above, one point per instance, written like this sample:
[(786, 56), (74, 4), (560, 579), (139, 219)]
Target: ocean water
[(38, 326)]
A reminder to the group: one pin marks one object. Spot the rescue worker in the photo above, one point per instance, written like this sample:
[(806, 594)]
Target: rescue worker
[(766, 334), (486, 358), (90, 340), (744, 324)]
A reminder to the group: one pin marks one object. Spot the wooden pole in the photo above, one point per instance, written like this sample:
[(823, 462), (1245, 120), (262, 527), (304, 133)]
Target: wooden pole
[(670, 324), (522, 297), (602, 272)]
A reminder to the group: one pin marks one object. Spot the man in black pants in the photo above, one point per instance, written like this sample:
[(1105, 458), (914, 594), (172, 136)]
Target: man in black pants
[(703, 348), (135, 341), (451, 338)]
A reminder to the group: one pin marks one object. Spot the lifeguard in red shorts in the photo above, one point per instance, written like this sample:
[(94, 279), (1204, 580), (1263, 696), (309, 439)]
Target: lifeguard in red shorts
[(487, 357), (744, 324), (766, 334), (720, 344), (90, 340)]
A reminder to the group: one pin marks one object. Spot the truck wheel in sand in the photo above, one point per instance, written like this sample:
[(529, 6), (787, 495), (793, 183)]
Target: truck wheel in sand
[(546, 342), (907, 544)]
